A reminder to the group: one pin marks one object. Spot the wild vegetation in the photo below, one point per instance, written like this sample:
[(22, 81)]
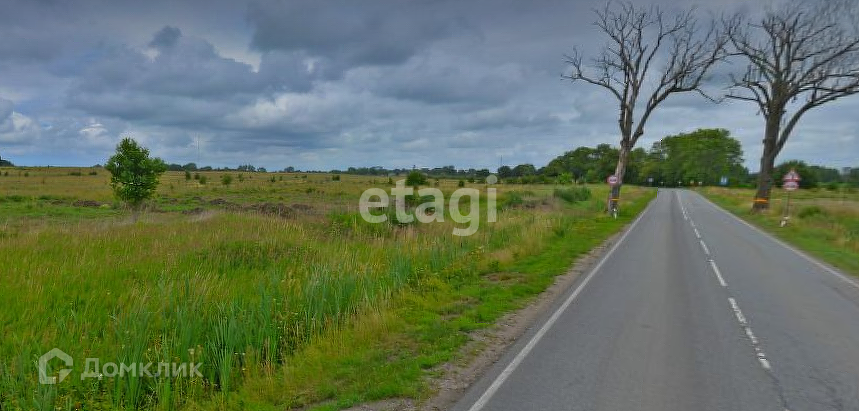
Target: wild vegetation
[(273, 282)]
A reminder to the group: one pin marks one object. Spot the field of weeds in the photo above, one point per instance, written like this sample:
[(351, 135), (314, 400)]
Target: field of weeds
[(271, 281)]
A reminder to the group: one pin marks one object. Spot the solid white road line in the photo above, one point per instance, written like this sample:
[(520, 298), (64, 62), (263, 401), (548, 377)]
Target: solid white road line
[(718, 274), (802, 254), (493, 388), (697, 234)]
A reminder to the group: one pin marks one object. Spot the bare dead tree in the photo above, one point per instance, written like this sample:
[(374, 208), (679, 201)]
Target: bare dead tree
[(799, 57), (647, 57)]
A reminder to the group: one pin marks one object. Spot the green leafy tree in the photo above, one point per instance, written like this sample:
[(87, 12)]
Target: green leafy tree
[(416, 178), (704, 155), (134, 175), (808, 178)]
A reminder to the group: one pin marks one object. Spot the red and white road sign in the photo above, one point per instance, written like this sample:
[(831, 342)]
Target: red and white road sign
[(792, 175), (790, 185), (612, 180)]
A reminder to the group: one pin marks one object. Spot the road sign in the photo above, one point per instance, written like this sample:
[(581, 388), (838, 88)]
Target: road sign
[(612, 180), (792, 175), (790, 185)]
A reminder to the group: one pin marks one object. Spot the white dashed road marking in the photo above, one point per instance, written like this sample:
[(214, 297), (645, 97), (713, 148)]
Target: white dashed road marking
[(704, 246), (718, 274), (738, 313)]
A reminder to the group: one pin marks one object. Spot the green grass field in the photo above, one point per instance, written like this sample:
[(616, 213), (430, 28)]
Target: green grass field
[(822, 222), (274, 283)]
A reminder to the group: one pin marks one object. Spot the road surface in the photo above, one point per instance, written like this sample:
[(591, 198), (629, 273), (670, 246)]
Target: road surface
[(692, 310)]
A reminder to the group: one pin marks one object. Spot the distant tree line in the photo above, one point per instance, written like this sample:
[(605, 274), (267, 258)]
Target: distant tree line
[(5, 163), (244, 167), (437, 172), (704, 156)]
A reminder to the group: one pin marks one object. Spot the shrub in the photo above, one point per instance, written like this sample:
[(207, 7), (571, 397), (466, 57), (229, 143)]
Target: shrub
[(93, 173), (513, 199), (811, 211), (335, 177), (461, 183), (187, 175), (226, 179), (572, 194), (196, 176), (416, 178), (203, 180)]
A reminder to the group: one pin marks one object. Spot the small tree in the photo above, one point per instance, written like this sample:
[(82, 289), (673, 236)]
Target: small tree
[(134, 175), (416, 178)]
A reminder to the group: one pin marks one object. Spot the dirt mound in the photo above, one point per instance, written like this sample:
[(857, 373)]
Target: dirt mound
[(277, 209), (86, 203)]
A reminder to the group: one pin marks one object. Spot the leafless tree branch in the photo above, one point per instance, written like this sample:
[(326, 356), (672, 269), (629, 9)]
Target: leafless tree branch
[(797, 53), (647, 57)]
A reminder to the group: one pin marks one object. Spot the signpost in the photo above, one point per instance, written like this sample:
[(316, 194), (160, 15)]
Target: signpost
[(791, 183), (612, 181)]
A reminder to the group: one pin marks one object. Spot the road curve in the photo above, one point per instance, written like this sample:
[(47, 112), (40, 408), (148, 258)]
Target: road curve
[(692, 310)]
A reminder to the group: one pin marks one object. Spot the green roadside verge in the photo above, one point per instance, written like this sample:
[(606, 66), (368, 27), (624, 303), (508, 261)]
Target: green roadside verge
[(392, 353), (825, 225)]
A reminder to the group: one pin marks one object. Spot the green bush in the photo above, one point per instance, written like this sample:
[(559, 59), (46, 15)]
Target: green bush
[(461, 183), (573, 194), (416, 178), (226, 179), (811, 211), (335, 177), (513, 199)]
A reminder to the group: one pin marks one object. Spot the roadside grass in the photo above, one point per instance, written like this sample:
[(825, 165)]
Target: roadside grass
[(822, 222), (313, 308)]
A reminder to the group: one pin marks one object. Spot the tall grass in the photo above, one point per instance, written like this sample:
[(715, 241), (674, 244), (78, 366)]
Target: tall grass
[(240, 293)]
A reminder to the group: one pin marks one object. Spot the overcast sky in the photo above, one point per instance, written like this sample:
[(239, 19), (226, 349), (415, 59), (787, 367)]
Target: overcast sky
[(336, 83)]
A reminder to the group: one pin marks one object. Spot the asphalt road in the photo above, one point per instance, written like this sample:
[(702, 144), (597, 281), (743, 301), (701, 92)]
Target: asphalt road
[(692, 310)]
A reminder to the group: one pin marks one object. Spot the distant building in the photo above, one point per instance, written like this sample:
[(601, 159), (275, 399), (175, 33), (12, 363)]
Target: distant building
[(846, 171)]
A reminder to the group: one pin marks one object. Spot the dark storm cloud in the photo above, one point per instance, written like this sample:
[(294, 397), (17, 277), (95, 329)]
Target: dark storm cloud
[(5, 111), (349, 32), (166, 37), (333, 84)]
